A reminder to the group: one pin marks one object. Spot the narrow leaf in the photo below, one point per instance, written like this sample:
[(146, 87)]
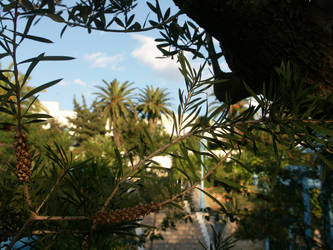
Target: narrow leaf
[(31, 67), (2, 55), (27, 4), (56, 18), (40, 88), (38, 116), (35, 121), (35, 38), (49, 58), (129, 21), (27, 27), (119, 22), (214, 199), (63, 31), (5, 111), (152, 7)]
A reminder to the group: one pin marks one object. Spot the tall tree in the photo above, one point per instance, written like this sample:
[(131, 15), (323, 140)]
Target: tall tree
[(255, 36), (252, 36), (153, 103), (115, 100), (88, 121)]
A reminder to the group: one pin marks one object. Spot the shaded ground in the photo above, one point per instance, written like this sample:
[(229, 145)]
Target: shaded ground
[(186, 236), (229, 228)]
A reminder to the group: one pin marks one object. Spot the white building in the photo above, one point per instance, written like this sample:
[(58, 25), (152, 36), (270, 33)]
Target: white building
[(53, 109)]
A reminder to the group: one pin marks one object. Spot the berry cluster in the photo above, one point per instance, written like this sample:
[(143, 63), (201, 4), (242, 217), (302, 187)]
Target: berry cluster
[(126, 214), (23, 158)]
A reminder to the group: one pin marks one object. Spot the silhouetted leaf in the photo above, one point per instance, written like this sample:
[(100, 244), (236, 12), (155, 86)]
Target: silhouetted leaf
[(40, 88), (49, 58), (57, 18), (30, 69), (35, 121), (119, 22), (35, 38), (5, 111)]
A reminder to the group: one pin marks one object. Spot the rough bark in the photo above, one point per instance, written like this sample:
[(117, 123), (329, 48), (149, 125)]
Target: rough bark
[(256, 35)]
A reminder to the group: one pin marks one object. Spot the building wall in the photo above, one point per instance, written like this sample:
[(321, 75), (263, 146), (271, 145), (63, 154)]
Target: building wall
[(53, 109)]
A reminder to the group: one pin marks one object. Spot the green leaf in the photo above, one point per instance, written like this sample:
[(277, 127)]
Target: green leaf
[(12, 106), (119, 22), (5, 79), (135, 26), (49, 58), (6, 124), (63, 31), (56, 18), (35, 38), (31, 103), (50, 3), (153, 23), (5, 88), (2, 55), (40, 88), (167, 14), (26, 4), (214, 199), (152, 7), (37, 116), (27, 27), (35, 121), (129, 21), (158, 11), (5, 111), (31, 67), (10, 6)]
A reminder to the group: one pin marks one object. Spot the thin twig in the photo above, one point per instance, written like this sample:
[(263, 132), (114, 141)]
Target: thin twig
[(59, 218), (50, 192), (203, 178), (41, 232), (27, 196), (19, 234), (140, 163), (265, 121)]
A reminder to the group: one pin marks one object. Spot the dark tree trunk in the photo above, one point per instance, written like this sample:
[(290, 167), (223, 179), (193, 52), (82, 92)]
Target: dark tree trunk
[(256, 35)]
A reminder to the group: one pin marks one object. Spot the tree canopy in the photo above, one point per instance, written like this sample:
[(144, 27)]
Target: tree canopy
[(153, 103), (253, 36)]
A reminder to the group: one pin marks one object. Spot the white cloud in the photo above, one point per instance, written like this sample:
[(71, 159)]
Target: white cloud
[(102, 60), (147, 53), (80, 82)]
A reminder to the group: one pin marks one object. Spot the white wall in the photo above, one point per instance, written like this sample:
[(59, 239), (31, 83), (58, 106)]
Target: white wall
[(53, 109)]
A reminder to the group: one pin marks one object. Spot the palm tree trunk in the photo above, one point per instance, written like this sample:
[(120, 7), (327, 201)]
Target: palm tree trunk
[(152, 125), (116, 137)]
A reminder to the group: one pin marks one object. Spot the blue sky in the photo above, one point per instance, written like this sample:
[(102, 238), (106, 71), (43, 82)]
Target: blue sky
[(99, 56)]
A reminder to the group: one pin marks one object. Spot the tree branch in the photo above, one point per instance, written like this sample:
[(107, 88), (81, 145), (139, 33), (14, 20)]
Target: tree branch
[(140, 163), (50, 192), (160, 25), (198, 182), (59, 218)]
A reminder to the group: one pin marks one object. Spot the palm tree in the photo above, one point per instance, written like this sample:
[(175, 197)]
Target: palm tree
[(115, 100), (152, 104)]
